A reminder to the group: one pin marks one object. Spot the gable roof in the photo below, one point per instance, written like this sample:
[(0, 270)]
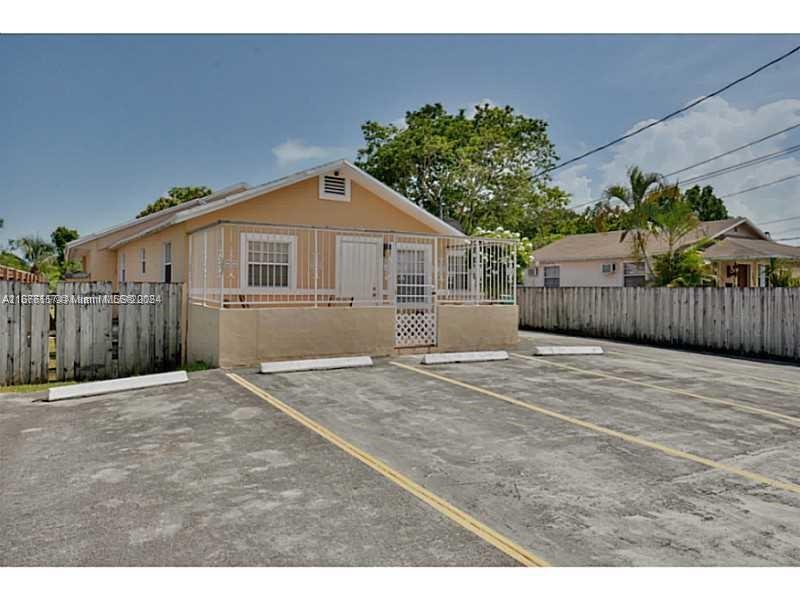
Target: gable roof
[(607, 245), (202, 206), (158, 217), (733, 248)]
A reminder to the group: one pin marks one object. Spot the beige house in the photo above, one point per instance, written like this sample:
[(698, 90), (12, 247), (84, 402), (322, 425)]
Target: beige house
[(324, 262), (740, 255)]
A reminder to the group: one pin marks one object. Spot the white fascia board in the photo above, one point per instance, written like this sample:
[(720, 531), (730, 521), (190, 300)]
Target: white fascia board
[(173, 209), (315, 364), (362, 178), (553, 350), (95, 388), (442, 358), (401, 202)]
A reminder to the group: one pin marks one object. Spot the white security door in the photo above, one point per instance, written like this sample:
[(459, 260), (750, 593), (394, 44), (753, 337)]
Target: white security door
[(359, 269), (415, 321)]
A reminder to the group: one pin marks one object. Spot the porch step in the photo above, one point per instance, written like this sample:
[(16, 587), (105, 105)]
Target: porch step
[(552, 350), (316, 364), (442, 358)]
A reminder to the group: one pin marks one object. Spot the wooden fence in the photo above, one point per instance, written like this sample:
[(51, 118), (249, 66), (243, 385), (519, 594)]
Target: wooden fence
[(12, 274), (146, 337), (24, 328), (750, 321), (150, 332)]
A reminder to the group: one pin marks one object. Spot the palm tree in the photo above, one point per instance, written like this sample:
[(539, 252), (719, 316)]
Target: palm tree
[(638, 197), (37, 252)]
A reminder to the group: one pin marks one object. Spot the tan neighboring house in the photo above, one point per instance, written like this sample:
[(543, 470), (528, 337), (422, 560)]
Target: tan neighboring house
[(740, 254), (328, 261)]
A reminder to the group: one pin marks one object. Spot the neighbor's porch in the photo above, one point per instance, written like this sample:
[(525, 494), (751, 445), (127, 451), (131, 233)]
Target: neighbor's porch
[(259, 291)]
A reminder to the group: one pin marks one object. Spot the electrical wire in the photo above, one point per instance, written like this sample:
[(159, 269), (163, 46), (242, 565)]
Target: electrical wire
[(726, 153), (763, 185), (670, 115), (742, 165)]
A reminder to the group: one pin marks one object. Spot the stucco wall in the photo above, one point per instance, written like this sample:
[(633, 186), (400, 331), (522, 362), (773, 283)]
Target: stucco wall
[(587, 273), (202, 336), (249, 336), (464, 328)]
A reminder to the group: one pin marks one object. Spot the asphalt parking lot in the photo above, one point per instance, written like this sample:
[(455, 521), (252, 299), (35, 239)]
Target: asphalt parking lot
[(641, 456)]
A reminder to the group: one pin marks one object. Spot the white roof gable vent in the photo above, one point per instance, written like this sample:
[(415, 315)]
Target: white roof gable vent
[(334, 187)]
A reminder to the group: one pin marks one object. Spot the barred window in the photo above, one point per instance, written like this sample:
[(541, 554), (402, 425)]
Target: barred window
[(552, 276), (634, 274), (268, 261)]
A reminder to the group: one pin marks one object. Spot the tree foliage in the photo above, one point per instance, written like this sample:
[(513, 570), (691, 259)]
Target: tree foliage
[(60, 237), (478, 170), (705, 204), (38, 254), (176, 196), (672, 219), (780, 273), (641, 195)]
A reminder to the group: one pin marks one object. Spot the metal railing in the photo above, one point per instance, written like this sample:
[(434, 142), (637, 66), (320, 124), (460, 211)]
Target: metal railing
[(249, 265)]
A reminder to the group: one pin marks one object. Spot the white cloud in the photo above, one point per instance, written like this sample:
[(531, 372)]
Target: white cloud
[(712, 128), (294, 150), (573, 181)]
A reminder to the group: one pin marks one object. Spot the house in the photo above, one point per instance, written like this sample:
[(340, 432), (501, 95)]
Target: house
[(328, 261), (740, 253)]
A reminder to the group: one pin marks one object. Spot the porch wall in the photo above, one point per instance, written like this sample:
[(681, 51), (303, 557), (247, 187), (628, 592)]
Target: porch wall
[(202, 335), (464, 328), (249, 336)]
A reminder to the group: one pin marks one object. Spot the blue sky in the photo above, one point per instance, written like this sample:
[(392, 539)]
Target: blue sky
[(95, 127)]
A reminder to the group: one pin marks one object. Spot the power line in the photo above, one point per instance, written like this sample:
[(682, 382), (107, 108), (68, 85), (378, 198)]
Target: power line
[(670, 115), (787, 239), (742, 165), (782, 231), (763, 185), (747, 163), (726, 153), (780, 220)]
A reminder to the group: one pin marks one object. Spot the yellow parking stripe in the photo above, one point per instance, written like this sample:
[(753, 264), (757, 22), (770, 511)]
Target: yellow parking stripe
[(466, 521), (786, 419), (776, 483), (699, 368)]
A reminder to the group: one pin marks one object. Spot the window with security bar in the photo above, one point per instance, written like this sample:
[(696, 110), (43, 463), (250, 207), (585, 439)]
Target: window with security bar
[(458, 271), (269, 262), (552, 276), (634, 274), (411, 276)]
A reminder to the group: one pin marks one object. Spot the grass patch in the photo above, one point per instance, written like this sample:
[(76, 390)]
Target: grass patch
[(196, 366), (32, 387)]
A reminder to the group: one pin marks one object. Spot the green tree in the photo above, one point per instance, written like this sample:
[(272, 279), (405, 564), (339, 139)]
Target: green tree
[(9, 259), (476, 169), (176, 196), (60, 237), (705, 204), (671, 221), (780, 273), (37, 253), (643, 191)]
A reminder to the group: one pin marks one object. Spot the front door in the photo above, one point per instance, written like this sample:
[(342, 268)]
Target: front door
[(359, 269), (743, 275), (415, 321)]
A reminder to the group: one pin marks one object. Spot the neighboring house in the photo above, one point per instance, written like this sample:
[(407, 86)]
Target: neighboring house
[(327, 261), (740, 253)]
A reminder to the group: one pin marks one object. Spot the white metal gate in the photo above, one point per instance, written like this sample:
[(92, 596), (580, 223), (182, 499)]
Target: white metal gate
[(415, 313)]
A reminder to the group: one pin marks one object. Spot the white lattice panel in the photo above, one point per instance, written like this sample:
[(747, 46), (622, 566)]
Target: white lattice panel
[(415, 327)]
